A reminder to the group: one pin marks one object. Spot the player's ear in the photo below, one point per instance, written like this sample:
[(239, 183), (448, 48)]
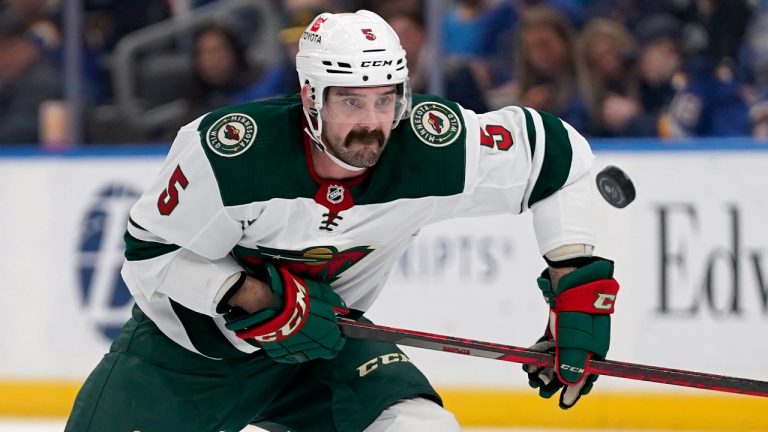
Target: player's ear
[(306, 99)]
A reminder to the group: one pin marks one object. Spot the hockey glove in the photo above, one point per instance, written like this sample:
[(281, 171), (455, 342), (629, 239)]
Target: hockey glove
[(300, 326), (579, 328)]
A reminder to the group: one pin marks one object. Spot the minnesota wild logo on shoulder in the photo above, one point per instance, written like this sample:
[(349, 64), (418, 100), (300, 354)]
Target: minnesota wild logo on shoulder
[(231, 135), (435, 124)]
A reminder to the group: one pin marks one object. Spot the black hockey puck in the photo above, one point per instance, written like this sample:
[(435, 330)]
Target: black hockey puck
[(615, 186)]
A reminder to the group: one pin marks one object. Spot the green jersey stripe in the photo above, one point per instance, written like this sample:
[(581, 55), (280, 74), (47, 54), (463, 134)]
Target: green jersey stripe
[(138, 250), (531, 130), (556, 165), (133, 222)]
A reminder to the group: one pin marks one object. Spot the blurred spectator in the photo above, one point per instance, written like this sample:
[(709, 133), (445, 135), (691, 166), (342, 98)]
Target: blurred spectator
[(460, 83), (684, 97), (28, 12), (498, 25), (715, 28), (706, 103), (546, 75), (609, 82), (754, 70), (37, 18), (496, 40), (223, 75), (573, 10), (659, 60), (631, 12), (462, 27), (480, 28), (27, 78), (107, 21)]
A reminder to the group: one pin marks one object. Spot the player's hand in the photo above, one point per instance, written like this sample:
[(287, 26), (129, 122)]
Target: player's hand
[(300, 326), (549, 383), (579, 329)]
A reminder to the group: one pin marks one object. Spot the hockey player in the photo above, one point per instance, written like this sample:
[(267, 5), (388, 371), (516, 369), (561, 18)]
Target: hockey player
[(270, 219)]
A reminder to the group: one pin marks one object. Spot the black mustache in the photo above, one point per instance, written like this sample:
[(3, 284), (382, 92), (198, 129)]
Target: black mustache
[(365, 135)]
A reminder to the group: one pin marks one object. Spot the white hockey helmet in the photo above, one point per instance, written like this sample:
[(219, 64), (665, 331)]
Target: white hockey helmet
[(350, 50)]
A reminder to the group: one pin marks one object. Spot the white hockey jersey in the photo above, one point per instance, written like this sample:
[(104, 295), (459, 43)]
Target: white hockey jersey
[(237, 188)]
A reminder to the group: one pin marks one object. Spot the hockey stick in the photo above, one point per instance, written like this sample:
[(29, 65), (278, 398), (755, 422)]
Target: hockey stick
[(514, 354)]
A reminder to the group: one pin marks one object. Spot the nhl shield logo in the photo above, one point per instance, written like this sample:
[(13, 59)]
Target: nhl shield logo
[(435, 124), (335, 194), (231, 135)]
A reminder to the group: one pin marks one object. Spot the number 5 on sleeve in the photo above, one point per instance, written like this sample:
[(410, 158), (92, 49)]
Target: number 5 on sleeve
[(169, 198)]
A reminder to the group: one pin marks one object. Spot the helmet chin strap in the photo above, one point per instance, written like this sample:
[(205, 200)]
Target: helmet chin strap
[(314, 135)]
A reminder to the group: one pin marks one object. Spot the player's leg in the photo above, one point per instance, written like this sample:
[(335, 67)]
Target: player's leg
[(303, 404), (417, 414), (355, 389), (149, 383), (128, 394)]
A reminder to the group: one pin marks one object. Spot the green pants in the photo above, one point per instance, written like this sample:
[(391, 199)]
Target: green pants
[(148, 383)]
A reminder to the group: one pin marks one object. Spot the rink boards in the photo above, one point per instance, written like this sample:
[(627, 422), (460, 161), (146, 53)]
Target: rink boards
[(691, 255)]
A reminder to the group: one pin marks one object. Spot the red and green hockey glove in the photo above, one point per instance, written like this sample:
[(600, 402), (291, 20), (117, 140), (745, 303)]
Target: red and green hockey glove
[(579, 328), (300, 326)]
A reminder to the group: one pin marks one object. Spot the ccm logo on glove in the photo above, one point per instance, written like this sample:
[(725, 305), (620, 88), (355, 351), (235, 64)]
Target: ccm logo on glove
[(604, 301), (582, 298), (571, 368), (295, 322), (300, 326)]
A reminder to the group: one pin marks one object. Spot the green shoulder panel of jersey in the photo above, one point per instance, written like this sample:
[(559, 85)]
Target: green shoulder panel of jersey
[(257, 153), (558, 155), (426, 154), (256, 150)]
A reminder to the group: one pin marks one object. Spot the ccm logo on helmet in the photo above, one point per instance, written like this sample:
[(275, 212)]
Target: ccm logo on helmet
[(376, 63)]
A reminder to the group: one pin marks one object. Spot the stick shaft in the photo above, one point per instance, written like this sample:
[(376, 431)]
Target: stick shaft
[(525, 356)]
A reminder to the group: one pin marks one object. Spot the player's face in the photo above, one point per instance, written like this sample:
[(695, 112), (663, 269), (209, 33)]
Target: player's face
[(357, 122)]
